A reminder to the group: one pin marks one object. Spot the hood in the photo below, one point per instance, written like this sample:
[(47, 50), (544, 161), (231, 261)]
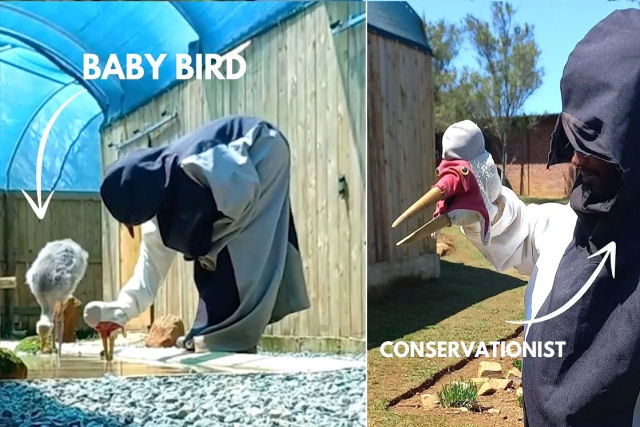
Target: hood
[(600, 116), (135, 187)]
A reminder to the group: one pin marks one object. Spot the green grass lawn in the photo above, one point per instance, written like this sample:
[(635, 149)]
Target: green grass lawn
[(469, 302)]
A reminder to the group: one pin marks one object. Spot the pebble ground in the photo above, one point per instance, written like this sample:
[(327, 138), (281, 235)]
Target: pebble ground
[(202, 400)]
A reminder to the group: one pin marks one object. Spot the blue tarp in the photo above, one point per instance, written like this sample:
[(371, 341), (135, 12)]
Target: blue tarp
[(41, 48), (398, 21)]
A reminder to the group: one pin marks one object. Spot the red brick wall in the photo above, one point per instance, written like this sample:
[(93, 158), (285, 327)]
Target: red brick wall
[(535, 180), (528, 174)]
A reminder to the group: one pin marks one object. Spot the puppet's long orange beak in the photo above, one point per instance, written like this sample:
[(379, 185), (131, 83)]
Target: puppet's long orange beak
[(430, 198), (449, 182), (437, 223)]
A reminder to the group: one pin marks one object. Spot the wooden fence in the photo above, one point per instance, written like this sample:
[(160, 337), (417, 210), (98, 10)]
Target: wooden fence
[(70, 215), (401, 157), (309, 83)]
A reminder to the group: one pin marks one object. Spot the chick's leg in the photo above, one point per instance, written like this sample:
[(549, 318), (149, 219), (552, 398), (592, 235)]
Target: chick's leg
[(58, 333)]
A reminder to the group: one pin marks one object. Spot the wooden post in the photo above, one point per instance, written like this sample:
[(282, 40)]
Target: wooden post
[(7, 284)]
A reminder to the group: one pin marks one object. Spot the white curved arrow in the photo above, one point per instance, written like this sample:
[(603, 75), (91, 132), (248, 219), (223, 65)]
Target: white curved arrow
[(609, 250), (41, 209)]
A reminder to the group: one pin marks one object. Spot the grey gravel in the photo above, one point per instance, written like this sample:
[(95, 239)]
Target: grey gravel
[(362, 357), (329, 399)]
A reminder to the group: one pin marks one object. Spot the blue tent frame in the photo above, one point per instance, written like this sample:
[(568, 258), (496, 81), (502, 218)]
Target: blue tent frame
[(51, 38)]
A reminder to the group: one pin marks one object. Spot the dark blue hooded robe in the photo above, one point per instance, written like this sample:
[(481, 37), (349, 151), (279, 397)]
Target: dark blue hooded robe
[(220, 197), (597, 382)]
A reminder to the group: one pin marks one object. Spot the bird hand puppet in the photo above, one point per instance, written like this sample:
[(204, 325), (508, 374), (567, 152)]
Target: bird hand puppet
[(466, 187), (94, 313)]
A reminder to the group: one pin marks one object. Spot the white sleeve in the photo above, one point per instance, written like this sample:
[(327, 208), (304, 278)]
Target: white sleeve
[(149, 273), (520, 230)]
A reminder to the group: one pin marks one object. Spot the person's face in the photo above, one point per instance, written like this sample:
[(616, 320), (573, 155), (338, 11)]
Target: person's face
[(600, 177)]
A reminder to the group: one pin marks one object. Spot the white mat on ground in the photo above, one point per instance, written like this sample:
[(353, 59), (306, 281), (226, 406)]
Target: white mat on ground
[(220, 362)]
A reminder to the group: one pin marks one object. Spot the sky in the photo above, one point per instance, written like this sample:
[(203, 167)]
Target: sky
[(558, 26)]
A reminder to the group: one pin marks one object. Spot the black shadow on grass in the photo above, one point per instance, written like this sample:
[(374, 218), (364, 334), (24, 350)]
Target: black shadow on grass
[(32, 407), (410, 305)]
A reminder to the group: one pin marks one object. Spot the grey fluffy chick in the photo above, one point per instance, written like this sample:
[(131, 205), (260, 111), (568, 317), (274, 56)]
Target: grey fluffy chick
[(53, 277)]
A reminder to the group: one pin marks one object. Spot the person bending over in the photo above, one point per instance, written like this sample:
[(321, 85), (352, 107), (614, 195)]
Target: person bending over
[(219, 197)]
